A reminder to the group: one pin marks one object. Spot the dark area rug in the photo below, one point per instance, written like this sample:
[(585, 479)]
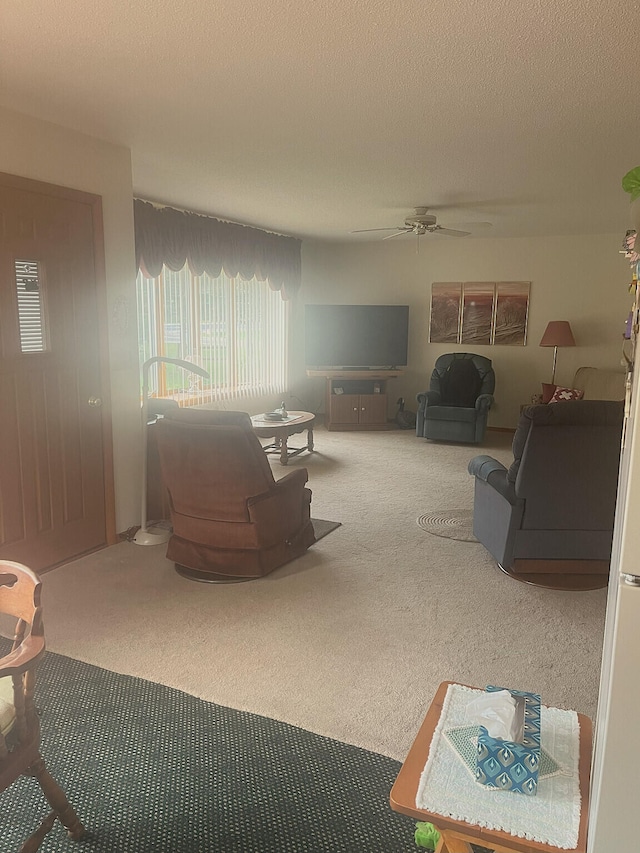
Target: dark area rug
[(149, 768)]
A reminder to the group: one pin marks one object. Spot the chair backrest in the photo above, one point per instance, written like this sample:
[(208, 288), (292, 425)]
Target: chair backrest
[(461, 377), (20, 601), (211, 462), (19, 726), (566, 459), (599, 384)]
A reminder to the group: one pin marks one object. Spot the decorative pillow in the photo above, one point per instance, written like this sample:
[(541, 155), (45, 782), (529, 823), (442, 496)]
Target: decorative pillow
[(548, 390), (561, 395)]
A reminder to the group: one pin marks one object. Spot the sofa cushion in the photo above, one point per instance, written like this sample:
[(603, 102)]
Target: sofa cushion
[(599, 384), (450, 413)]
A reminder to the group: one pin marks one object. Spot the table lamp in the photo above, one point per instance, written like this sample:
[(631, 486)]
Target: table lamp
[(557, 334)]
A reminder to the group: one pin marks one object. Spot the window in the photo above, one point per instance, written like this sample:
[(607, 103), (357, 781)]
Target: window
[(30, 307), (234, 329)]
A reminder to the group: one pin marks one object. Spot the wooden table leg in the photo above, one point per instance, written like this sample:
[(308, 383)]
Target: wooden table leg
[(449, 843), (310, 440), (455, 845), (284, 452)]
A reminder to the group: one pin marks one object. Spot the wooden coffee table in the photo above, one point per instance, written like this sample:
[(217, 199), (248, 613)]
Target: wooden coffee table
[(457, 836), (281, 430)]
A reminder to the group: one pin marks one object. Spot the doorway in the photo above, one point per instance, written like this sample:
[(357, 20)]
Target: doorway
[(56, 471)]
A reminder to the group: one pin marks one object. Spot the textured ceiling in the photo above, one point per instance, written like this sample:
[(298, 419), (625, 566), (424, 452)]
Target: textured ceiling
[(314, 117)]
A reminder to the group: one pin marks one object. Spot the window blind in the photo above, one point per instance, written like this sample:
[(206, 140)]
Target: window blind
[(234, 329)]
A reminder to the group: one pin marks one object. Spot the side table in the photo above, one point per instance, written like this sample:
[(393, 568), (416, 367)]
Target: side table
[(281, 430), (457, 836)]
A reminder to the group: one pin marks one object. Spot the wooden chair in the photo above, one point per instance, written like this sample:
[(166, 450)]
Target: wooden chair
[(19, 726)]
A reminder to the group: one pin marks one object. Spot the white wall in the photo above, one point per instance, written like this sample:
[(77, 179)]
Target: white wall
[(46, 152), (580, 279)]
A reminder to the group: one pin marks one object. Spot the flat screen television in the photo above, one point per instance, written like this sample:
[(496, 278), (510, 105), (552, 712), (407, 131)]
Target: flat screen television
[(356, 336)]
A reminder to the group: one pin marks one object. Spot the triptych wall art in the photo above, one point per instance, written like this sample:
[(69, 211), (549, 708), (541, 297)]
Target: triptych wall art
[(479, 312)]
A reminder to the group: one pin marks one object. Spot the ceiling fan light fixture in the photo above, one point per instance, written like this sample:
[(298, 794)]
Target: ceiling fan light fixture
[(420, 223)]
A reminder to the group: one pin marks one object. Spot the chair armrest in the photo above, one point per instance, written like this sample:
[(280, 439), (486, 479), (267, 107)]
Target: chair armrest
[(484, 402), (482, 466), (297, 477), (283, 510), (494, 474), (429, 398), (293, 482), (25, 656)]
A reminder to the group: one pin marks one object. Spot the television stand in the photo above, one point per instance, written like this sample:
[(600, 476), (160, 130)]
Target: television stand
[(356, 399)]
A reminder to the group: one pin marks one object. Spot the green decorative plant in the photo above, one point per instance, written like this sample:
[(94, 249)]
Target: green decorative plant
[(426, 835), (631, 183)]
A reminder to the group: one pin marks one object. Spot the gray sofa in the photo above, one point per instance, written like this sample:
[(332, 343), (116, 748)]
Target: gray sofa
[(599, 384), (557, 499)]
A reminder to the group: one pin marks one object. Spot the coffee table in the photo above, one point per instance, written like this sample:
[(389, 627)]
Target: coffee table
[(456, 835), (281, 430)]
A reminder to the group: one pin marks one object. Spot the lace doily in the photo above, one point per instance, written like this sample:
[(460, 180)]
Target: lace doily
[(551, 817)]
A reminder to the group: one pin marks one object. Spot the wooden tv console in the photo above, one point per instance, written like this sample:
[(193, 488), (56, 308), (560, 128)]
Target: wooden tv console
[(356, 399)]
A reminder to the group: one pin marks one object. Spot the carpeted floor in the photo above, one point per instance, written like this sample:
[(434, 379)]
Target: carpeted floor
[(351, 640), (150, 769)]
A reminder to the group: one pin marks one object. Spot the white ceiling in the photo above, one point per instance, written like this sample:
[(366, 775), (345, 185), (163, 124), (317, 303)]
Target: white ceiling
[(314, 117)]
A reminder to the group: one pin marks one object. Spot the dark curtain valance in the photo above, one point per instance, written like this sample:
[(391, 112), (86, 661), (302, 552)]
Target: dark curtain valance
[(173, 237)]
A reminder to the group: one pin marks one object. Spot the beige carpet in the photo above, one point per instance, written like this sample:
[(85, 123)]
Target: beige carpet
[(351, 640)]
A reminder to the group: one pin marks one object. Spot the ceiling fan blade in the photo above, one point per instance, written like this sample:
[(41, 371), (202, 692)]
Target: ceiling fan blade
[(449, 232), (362, 230), (399, 232)]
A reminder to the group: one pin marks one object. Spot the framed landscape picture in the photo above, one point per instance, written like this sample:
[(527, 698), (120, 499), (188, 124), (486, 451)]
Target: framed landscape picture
[(512, 311), (481, 313), (478, 300), (446, 301)]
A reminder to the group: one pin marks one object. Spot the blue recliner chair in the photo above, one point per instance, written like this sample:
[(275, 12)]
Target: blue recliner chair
[(460, 394), (548, 518)]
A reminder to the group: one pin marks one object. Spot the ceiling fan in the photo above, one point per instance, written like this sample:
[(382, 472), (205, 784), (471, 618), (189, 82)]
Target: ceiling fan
[(420, 223)]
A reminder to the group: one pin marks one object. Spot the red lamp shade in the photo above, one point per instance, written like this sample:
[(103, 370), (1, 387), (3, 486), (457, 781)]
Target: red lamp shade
[(558, 334)]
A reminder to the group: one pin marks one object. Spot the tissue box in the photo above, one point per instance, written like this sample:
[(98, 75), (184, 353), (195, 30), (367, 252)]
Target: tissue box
[(509, 766)]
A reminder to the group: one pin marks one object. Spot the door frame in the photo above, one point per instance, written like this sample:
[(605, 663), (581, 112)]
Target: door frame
[(95, 203)]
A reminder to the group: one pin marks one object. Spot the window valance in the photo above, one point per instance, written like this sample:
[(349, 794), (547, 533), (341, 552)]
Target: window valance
[(173, 237)]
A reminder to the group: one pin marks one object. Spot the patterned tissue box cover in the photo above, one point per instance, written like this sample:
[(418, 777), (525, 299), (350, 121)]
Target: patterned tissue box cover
[(508, 766)]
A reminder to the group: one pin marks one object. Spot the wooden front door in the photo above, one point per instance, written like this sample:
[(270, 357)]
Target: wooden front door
[(56, 498)]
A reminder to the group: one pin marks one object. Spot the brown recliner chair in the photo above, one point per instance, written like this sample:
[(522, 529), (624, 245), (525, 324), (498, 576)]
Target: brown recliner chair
[(231, 519)]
